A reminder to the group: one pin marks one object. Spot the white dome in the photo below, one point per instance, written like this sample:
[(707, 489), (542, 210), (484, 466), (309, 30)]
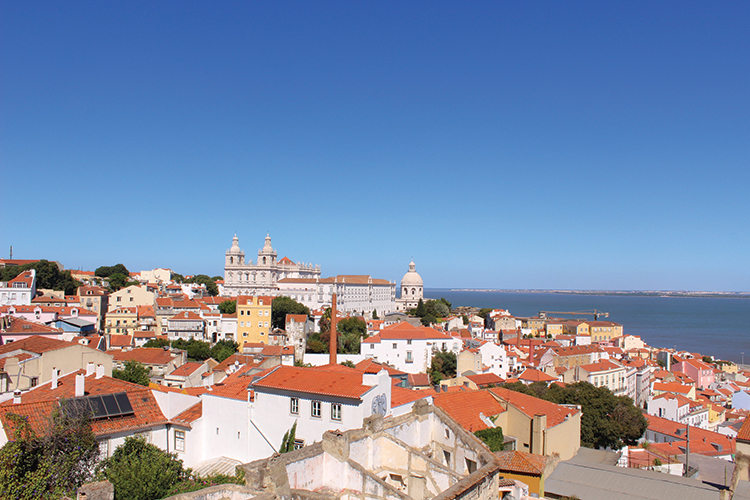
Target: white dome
[(412, 278)]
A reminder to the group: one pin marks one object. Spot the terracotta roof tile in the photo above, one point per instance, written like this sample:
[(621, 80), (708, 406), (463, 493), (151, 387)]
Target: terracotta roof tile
[(401, 396), (313, 381), (531, 406), (23, 326), (465, 407), (521, 462), (186, 370), (37, 345), (485, 379), (145, 355)]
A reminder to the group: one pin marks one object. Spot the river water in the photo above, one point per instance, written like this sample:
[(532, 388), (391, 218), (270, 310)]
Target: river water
[(718, 327)]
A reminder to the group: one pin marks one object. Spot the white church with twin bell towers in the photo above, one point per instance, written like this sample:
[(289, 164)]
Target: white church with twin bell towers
[(261, 278)]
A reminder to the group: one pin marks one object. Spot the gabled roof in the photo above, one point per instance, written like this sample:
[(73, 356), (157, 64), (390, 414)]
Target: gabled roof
[(531, 406), (465, 407), (186, 316), (405, 331), (186, 370), (744, 432), (534, 375), (145, 355), (675, 387), (190, 415), (38, 403), (601, 366), (418, 379), (347, 384), (521, 462), (722, 445), (16, 325), (37, 345), (369, 365), (401, 395), (485, 379), (120, 340)]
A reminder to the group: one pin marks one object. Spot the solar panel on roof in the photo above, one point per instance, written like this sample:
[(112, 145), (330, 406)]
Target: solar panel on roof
[(110, 404), (124, 403)]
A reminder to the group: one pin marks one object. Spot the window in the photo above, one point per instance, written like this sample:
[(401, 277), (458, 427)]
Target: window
[(447, 456), (294, 406), (408, 357), (394, 345), (179, 440), (315, 409), (372, 346), (336, 411), (103, 448), (408, 342)]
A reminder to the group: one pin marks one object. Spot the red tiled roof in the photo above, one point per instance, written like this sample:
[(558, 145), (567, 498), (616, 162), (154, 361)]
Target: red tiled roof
[(21, 357), (744, 432), (23, 326), (406, 331), (521, 462), (534, 375), (234, 389), (313, 381), (697, 436), (465, 407), (531, 406), (186, 316), (485, 379), (190, 415), (38, 403), (601, 366), (299, 318), (243, 359), (401, 395), (120, 340), (186, 369), (37, 345), (672, 387), (418, 379), (369, 365), (145, 355)]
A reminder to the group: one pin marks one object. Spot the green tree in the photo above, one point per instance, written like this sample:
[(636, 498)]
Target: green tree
[(48, 276), (107, 271), (443, 366), (287, 442), (117, 281), (134, 372), (375, 314), (348, 363), (141, 471), (421, 310), (228, 307), (483, 312), (492, 437), (281, 306), (607, 421), (428, 319), (51, 465), (439, 309), (203, 279), (223, 349), (177, 278), (157, 343)]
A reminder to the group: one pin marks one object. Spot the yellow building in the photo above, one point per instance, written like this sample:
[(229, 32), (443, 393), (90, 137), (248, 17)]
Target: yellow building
[(122, 320), (602, 331), (575, 327), (253, 319)]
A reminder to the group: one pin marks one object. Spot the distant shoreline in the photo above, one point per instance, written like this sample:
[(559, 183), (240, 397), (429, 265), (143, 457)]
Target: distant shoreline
[(621, 293)]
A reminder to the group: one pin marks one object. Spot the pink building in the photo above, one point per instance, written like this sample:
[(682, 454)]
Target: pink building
[(701, 372)]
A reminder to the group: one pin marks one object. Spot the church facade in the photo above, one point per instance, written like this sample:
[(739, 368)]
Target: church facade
[(412, 289), (242, 277)]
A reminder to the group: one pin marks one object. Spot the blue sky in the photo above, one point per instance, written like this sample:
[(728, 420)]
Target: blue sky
[(596, 145)]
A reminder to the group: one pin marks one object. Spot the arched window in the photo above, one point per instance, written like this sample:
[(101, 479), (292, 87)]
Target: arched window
[(264, 260), (231, 260), (413, 291)]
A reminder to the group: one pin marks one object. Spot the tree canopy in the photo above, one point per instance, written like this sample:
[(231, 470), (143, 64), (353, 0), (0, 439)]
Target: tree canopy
[(351, 332), (228, 307), (134, 372), (430, 311), (51, 465), (443, 366), (107, 271), (141, 471), (281, 306), (48, 276), (197, 349), (492, 437), (607, 421), (203, 279)]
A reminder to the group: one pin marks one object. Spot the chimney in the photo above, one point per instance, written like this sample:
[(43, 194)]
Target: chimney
[(531, 353), (99, 371), (333, 344), (53, 384), (90, 368), (80, 384), (444, 387), (17, 397)]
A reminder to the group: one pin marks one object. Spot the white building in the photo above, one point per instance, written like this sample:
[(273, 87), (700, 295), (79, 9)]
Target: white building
[(246, 278), (408, 348), (412, 289), (20, 290), (354, 293), (678, 408), (495, 358)]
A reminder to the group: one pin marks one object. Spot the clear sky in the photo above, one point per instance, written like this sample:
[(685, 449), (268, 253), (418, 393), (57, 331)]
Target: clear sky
[(596, 145)]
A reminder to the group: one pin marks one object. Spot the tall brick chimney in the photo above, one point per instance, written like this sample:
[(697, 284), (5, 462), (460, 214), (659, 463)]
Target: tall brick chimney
[(333, 344)]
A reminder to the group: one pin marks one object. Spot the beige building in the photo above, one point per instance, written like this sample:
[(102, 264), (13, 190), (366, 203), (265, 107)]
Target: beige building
[(540, 427), (131, 296), (121, 321), (36, 360), (94, 298), (159, 275)]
